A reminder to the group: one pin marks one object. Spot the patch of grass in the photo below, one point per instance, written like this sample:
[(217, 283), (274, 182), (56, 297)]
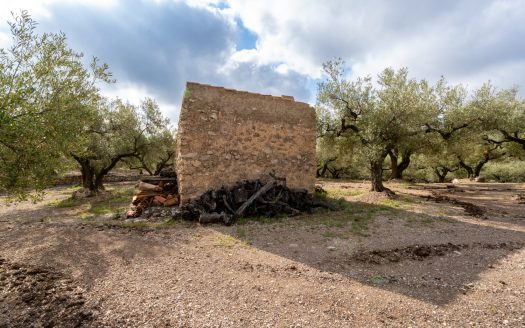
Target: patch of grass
[(260, 219), (86, 216), (241, 232), (100, 209), (392, 203), (73, 187), (186, 93), (360, 224), (168, 223), (340, 192), (407, 183), (355, 217), (136, 225), (113, 201), (340, 203), (419, 218), (378, 279), (64, 203), (229, 241), (426, 220), (333, 222), (447, 219), (47, 219), (349, 251)]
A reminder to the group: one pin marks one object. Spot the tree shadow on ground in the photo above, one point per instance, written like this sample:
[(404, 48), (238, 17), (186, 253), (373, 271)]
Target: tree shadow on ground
[(433, 258), (498, 202), (83, 251)]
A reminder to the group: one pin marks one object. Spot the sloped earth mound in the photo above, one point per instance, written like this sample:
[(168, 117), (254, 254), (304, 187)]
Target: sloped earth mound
[(33, 296), (422, 252)]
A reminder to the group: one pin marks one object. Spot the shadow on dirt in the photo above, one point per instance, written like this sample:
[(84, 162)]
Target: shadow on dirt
[(497, 202), (430, 258), (34, 296), (44, 286)]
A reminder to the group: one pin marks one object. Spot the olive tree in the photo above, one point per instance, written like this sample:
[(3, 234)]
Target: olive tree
[(158, 151), (120, 131), (502, 113), (46, 98), (381, 115)]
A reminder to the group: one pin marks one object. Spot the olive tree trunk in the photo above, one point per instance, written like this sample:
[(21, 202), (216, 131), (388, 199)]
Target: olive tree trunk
[(376, 174), (397, 168)]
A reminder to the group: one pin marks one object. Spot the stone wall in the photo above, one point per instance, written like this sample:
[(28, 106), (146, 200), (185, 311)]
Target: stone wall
[(226, 136)]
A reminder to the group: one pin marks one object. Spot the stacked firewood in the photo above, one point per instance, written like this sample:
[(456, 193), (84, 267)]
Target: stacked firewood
[(248, 199), (154, 191)]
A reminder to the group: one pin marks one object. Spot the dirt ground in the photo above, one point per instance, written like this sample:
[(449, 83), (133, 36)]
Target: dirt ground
[(421, 260)]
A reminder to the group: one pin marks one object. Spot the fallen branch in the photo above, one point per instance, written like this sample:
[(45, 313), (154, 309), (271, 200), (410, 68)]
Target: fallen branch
[(250, 200)]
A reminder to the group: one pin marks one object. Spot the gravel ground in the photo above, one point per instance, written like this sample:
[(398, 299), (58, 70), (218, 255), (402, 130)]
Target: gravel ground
[(408, 262)]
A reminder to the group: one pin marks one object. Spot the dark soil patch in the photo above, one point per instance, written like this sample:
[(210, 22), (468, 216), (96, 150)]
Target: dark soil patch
[(40, 297), (471, 209), (422, 252)]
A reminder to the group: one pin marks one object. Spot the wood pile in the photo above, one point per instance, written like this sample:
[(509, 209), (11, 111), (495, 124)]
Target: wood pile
[(158, 196), (154, 191), (250, 199)]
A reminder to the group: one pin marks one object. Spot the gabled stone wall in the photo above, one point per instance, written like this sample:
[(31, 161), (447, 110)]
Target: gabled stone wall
[(226, 136)]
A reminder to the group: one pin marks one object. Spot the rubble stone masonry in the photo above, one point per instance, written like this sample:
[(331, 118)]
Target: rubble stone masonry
[(226, 136)]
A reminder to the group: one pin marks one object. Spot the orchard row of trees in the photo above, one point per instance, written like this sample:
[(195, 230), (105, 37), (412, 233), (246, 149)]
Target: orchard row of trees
[(52, 114), (396, 122)]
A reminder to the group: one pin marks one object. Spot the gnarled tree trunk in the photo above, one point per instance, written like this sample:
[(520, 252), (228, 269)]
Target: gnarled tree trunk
[(321, 171), (87, 171), (397, 168), (442, 171), (93, 179), (394, 173), (468, 169), (376, 173), (479, 166)]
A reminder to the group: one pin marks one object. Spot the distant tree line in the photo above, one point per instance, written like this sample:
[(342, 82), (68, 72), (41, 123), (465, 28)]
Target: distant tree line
[(53, 116), (393, 123)]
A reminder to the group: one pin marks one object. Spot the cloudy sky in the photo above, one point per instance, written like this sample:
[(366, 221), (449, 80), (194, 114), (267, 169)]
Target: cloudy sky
[(277, 47)]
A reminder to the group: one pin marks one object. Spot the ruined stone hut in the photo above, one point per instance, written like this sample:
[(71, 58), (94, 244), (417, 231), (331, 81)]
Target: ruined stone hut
[(226, 136)]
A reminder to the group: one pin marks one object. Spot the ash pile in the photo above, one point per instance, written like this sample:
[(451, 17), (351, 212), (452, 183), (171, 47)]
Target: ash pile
[(249, 199)]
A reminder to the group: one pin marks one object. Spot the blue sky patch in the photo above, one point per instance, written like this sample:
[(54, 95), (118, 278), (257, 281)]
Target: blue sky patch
[(246, 39)]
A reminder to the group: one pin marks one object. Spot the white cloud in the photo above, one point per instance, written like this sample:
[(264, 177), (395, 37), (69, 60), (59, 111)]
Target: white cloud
[(40, 9), (155, 46), (135, 93), (468, 40)]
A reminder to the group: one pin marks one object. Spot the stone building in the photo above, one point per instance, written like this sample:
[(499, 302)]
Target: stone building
[(226, 136)]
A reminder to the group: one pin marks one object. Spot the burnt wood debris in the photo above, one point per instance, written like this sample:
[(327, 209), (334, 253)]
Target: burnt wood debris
[(255, 198)]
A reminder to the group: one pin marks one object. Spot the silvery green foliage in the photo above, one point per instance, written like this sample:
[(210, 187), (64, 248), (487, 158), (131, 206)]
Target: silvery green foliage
[(46, 96)]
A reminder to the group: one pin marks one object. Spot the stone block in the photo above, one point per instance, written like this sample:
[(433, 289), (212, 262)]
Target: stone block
[(248, 134)]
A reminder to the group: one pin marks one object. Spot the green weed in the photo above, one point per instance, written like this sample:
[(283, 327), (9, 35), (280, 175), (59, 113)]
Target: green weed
[(378, 279), (229, 241), (260, 219), (241, 232), (64, 203), (339, 192)]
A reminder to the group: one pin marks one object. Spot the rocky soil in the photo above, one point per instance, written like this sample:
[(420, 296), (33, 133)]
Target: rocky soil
[(406, 262)]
